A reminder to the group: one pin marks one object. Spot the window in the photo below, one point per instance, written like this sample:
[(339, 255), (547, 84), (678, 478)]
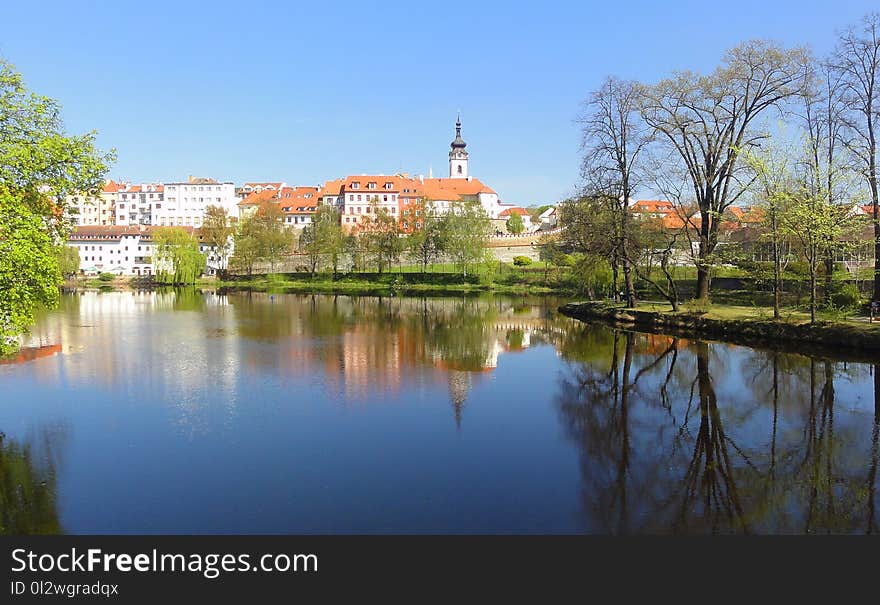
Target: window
[(384, 198), (359, 197), (459, 169), (371, 185), (387, 185), (355, 185), (350, 197), (418, 224)]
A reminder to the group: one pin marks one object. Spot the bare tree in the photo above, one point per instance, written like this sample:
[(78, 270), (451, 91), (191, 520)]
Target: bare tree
[(822, 104), (857, 57), (614, 135), (708, 119)]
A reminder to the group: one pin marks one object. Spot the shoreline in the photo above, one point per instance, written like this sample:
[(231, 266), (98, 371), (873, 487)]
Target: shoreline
[(838, 339)]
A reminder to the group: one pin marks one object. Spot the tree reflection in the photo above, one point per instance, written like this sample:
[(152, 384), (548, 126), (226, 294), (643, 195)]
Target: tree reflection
[(27, 488), (662, 449)]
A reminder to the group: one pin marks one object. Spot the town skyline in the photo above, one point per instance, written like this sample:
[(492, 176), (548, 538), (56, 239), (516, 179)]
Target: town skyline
[(317, 110)]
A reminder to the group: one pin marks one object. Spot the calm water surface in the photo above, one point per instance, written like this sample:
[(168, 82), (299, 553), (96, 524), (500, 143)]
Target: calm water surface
[(180, 412)]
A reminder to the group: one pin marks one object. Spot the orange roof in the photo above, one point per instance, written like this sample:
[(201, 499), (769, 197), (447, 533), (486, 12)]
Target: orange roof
[(514, 210), (257, 198), (868, 209), (452, 189), (263, 185), (112, 187), (652, 206), (298, 199), (332, 187)]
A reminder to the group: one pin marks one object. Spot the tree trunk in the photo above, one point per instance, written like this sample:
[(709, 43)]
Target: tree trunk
[(829, 275), (629, 284), (813, 292)]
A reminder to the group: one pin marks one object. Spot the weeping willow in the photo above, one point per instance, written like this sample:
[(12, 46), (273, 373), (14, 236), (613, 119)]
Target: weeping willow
[(178, 258)]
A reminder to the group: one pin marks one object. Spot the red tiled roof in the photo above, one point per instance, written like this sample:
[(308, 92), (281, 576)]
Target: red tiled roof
[(514, 210)]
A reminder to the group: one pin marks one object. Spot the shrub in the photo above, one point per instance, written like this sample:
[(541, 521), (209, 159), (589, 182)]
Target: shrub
[(106, 277), (564, 260), (522, 261), (846, 296)]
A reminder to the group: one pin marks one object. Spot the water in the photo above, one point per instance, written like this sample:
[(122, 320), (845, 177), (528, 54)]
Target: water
[(180, 412)]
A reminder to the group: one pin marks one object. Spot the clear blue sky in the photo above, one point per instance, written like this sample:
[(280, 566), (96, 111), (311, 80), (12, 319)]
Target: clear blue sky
[(303, 92)]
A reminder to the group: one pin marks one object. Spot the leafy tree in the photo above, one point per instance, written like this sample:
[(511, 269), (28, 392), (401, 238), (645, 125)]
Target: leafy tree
[(39, 165), (68, 260), (465, 234), (178, 260), (380, 233), (275, 241), (247, 246), (29, 268), (515, 224), (323, 237), (216, 232), (772, 192), (425, 241)]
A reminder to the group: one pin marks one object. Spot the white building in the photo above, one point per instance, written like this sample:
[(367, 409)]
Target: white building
[(136, 204), (129, 250), (185, 202), (99, 209)]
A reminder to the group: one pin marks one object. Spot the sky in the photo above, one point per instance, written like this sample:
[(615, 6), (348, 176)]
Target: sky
[(305, 92)]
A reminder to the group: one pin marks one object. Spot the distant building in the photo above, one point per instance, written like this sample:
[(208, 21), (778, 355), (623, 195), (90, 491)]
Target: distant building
[(186, 202), (99, 209), (135, 204), (127, 250)]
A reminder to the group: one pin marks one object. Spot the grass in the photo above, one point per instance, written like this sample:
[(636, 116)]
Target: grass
[(752, 313)]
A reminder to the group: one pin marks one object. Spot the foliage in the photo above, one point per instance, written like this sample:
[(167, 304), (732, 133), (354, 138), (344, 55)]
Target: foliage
[(216, 231), (522, 261), (515, 224), (39, 164), (846, 296), (380, 235), (465, 234), (426, 241), (68, 260), (29, 270), (106, 277), (323, 238), (178, 260)]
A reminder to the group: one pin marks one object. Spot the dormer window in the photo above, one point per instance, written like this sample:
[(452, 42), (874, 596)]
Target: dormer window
[(371, 185), (356, 185), (387, 185)]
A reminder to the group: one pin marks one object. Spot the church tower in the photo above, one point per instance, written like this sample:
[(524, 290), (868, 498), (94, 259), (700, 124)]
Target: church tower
[(458, 157)]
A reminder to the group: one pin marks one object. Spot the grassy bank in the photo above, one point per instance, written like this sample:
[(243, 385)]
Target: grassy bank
[(751, 326), (378, 283)]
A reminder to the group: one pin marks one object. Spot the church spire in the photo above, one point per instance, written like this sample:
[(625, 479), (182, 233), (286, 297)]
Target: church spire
[(458, 157)]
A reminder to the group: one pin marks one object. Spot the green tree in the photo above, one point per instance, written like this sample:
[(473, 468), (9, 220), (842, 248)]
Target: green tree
[(515, 224), (29, 269), (425, 241), (68, 260), (39, 165), (216, 232), (247, 246), (380, 234), (466, 234), (274, 241), (178, 260)]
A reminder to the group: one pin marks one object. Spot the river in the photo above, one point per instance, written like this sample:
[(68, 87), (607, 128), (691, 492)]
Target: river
[(189, 412)]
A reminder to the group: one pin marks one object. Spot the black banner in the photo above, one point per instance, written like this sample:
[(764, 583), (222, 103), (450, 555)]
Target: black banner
[(131, 569)]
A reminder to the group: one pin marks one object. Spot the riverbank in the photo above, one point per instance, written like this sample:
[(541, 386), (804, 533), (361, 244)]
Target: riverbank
[(742, 325), (377, 284)]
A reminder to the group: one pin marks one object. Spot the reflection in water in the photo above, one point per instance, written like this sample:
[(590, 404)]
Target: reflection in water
[(696, 460), (244, 412), (27, 486)]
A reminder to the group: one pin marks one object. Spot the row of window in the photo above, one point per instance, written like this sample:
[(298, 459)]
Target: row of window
[(194, 188), (351, 197), (366, 209), (371, 185)]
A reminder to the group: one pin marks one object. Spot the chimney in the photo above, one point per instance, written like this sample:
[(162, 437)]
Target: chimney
[(422, 178)]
